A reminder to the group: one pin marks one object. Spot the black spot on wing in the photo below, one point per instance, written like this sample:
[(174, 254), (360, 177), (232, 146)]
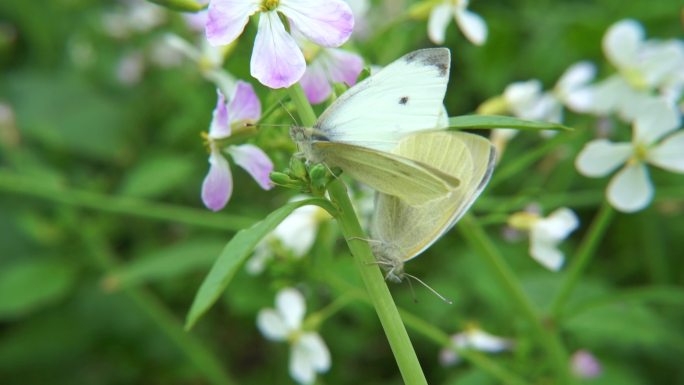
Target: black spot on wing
[(438, 57), (403, 100)]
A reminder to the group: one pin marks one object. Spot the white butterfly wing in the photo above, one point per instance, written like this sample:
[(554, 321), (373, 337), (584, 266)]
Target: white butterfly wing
[(404, 97)]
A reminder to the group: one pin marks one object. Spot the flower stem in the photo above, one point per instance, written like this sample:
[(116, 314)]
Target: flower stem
[(480, 242), (377, 289), (581, 260)]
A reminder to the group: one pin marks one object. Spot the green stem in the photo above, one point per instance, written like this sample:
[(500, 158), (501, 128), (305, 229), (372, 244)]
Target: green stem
[(27, 186), (304, 110), (581, 260), (480, 242), (200, 356)]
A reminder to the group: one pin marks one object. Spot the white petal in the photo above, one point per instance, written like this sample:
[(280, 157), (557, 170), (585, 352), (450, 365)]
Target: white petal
[(578, 75), (559, 224), (622, 41), (277, 61), (472, 25), (545, 252), (522, 96), (298, 231), (580, 100), (227, 19), (257, 262), (438, 22), (631, 189), (327, 23), (485, 342), (609, 95), (272, 325), (669, 154), (655, 118), (316, 350), (600, 157), (291, 306), (301, 369)]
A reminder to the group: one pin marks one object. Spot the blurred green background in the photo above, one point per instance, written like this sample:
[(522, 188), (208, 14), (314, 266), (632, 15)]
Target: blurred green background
[(104, 239)]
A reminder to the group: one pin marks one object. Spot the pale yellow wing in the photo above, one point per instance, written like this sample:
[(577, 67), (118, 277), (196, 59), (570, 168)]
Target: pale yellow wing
[(406, 231), (412, 182)]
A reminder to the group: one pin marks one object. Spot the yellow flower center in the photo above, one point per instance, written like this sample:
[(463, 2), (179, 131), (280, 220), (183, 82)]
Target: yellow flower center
[(635, 78), (640, 154), (523, 220), (269, 5)]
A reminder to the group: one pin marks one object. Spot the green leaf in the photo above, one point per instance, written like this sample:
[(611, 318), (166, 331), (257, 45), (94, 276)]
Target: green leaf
[(157, 175), (165, 264), (496, 121), (28, 285), (236, 252), (180, 5)]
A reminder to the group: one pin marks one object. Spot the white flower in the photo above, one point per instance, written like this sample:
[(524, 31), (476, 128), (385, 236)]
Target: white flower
[(643, 67), (473, 338), (652, 143), (308, 353), (471, 24), (296, 233), (546, 234)]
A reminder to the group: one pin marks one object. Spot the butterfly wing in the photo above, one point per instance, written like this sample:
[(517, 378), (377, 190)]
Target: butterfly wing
[(405, 231), (404, 97), (412, 182)]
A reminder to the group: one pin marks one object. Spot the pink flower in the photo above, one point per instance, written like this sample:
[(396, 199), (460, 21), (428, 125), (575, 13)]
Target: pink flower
[(277, 61), (329, 66), (585, 365), (218, 184)]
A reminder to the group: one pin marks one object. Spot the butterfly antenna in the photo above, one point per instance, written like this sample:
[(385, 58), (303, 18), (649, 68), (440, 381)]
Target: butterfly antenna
[(413, 293), (443, 298), (289, 113)]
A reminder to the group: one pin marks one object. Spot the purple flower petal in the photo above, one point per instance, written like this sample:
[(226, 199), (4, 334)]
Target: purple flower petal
[(344, 66), (220, 123), (218, 184), (227, 19), (277, 61), (315, 83), (326, 23), (255, 162), (245, 104)]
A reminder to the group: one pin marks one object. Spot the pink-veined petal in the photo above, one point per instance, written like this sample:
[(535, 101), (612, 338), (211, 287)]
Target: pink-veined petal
[(227, 19), (326, 23), (255, 162), (315, 83), (472, 25), (438, 22), (220, 122), (622, 41), (669, 154), (630, 189), (600, 157), (245, 104), (344, 66), (291, 306), (277, 61), (272, 325), (218, 184)]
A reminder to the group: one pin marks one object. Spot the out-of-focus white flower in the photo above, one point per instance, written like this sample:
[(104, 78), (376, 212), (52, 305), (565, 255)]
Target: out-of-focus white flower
[(471, 24), (644, 67), (129, 70), (308, 353), (135, 16), (653, 142), (296, 233), (546, 234), (473, 338), (585, 365)]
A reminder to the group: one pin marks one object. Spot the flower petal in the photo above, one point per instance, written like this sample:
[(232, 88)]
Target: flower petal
[(315, 83), (317, 351), (622, 41), (291, 306), (326, 23), (585, 365), (253, 160), (297, 232), (438, 22), (272, 325), (472, 25), (227, 19), (655, 118), (599, 157), (631, 189), (220, 122), (245, 104), (277, 61), (669, 154), (485, 342), (578, 75), (544, 250), (559, 224), (344, 66), (301, 369), (522, 96), (218, 184)]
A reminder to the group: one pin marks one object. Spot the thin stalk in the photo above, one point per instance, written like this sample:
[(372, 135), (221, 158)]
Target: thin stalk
[(480, 242), (584, 254), (27, 186), (377, 289)]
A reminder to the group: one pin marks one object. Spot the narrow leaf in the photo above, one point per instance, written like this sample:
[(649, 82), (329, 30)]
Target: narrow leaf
[(234, 255), (495, 121)]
